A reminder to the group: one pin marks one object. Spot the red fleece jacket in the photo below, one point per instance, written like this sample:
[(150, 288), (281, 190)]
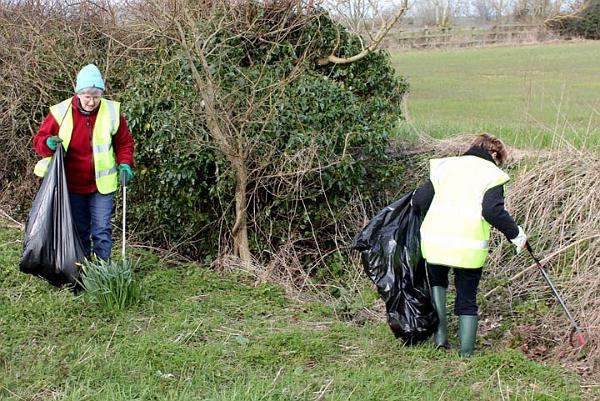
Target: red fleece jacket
[(79, 164)]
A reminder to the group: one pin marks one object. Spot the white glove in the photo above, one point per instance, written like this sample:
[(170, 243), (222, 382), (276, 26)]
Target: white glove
[(520, 240)]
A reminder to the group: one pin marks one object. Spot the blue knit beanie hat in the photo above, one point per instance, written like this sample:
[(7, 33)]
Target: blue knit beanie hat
[(89, 77)]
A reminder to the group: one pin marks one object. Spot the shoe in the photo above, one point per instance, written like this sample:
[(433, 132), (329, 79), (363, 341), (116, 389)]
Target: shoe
[(467, 331), (438, 295)]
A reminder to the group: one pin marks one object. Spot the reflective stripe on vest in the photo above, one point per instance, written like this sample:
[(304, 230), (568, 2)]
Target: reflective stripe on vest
[(106, 125), (454, 233)]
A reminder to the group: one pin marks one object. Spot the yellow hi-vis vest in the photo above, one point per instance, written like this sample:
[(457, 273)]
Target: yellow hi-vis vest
[(454, 233), (106, 125)]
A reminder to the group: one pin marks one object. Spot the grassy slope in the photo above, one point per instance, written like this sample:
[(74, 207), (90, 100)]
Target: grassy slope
[(523, 93), (203, 335)]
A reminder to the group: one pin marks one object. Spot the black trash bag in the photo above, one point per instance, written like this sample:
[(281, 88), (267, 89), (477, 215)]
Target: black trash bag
[(390, 248), (52, 248)]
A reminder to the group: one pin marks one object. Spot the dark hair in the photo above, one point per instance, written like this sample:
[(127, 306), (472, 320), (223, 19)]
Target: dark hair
[(493, 145)]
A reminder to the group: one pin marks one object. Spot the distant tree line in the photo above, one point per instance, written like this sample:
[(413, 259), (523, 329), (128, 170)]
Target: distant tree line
[(445, 13)]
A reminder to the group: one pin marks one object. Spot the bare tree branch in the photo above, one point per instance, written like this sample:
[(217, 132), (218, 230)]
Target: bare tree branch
[(332, 58)]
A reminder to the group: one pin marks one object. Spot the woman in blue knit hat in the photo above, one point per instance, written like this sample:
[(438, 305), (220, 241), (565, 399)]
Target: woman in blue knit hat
[(99, 151)]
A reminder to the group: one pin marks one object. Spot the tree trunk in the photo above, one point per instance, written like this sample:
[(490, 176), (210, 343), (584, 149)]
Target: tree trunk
[(229, 146), (239, 232)]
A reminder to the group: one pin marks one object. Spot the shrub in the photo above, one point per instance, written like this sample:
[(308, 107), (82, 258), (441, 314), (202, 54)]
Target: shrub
[(319, 141), (111, 284), (585, 23)]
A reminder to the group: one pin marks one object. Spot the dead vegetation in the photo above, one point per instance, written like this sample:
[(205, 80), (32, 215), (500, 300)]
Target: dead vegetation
[(557, 201), (554, 196)]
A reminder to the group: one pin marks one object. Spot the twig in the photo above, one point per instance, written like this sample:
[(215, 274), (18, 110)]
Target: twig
[(272, 384), (500, 383), (373, 46), (14, 223), (323, 390), (15, 394), (543, 261), (111, 338)]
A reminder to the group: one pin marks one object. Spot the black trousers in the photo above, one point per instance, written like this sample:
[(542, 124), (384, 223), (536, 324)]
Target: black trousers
[(466, 282)]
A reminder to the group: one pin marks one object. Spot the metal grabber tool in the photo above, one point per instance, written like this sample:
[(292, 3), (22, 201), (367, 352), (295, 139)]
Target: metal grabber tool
[(575, 330), (124, 186)]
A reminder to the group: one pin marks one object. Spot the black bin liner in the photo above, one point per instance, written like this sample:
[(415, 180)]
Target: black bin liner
[(390, 248), (52, 248)]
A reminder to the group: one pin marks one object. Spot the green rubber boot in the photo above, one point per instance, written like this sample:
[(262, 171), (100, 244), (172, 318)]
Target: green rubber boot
[(438, 295), (467, 330)]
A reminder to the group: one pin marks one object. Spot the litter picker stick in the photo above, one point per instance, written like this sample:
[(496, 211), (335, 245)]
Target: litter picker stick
[(124, 186), (575, 330)]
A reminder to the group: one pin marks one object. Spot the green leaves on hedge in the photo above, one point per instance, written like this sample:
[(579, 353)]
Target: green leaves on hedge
[(313, 143)]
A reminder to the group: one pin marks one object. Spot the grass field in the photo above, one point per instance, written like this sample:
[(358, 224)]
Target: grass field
[(532, 96), (204, 335)]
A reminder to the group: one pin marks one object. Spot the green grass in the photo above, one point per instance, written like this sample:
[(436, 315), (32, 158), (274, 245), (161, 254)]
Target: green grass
[(532, 96), (197, 334)]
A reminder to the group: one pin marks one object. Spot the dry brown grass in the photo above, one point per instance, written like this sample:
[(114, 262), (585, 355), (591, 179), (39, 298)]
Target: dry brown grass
[(556, 200), (284, 269), (554, 196)]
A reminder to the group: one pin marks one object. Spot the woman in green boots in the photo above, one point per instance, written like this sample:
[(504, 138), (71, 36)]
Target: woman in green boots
[(462, 199)]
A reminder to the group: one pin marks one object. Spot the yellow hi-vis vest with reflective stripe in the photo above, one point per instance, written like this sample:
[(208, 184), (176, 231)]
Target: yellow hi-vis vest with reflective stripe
[(454, 233), (106, 125)]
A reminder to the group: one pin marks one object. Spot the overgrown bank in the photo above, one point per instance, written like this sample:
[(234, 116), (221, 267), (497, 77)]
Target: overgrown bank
[(554, 196), (201, 335), (325, 164)]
